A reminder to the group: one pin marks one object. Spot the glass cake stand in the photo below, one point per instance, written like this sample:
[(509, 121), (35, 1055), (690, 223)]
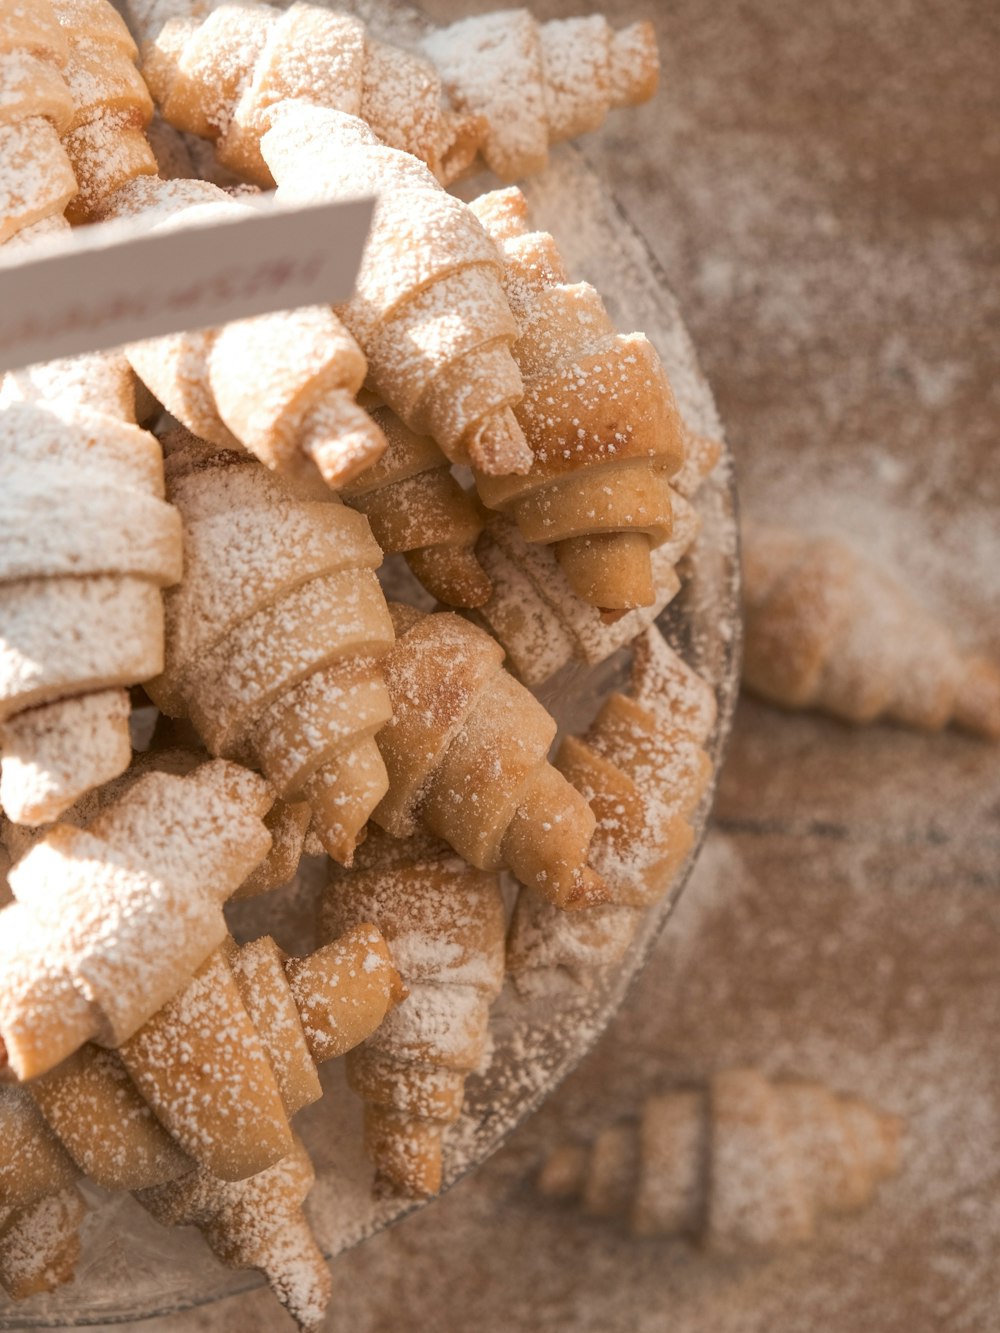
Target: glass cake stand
[(133, 1268)]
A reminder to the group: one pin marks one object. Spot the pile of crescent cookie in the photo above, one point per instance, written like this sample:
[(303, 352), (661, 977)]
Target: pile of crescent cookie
[(201, 679)]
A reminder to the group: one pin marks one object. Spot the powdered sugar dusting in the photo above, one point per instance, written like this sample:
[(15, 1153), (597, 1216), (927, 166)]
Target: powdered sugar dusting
[(223, 77), (36, 177), (111, 105), (78, 933), (598, 414), (536, 83), (422, 242), (81, 593)]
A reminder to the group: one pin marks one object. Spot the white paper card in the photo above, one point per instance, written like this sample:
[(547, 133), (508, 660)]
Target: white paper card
[(118, 282)]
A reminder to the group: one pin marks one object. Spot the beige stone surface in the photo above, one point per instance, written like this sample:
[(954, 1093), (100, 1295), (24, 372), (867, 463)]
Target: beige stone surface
[(821, 183)]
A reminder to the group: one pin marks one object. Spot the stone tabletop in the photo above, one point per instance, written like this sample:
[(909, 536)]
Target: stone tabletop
[(821, 184)]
